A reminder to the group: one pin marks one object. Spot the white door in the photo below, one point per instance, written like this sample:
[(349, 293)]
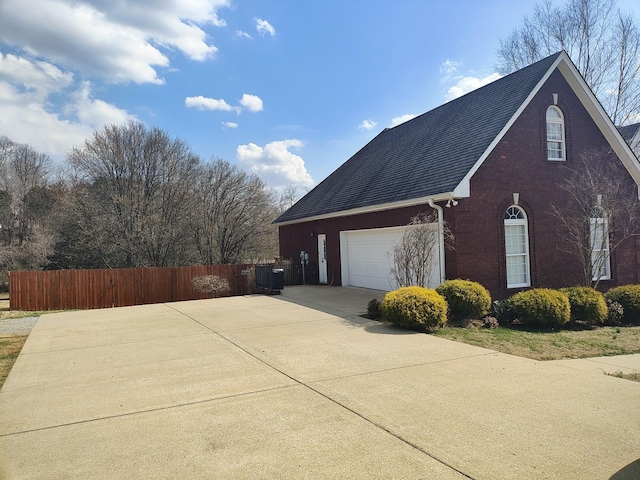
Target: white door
[(367, 258), (322, 258)]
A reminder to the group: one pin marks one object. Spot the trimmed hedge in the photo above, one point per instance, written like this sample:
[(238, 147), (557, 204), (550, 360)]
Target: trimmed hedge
[(466, 299), (629, 297), (541, 308), (416, 308), (587, 304)]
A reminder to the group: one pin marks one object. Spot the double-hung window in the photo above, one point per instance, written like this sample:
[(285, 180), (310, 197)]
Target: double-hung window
[(516, 240), (555, 134)]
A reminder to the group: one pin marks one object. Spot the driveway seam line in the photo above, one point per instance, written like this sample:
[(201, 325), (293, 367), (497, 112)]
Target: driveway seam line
[(150, 410), (391, 369), (326, 397)]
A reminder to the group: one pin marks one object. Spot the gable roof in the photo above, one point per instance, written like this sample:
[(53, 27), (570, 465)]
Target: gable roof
[(629, 131), (631, 134), (434, 155)]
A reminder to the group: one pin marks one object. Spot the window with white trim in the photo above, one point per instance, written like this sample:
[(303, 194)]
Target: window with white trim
[(555, 134), (516, 241), (599, 242)]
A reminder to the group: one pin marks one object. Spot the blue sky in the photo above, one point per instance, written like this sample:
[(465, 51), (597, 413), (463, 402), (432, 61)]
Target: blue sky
[(288, 89)]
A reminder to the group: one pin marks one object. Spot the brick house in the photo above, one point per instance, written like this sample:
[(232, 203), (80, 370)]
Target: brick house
[(489, 164)]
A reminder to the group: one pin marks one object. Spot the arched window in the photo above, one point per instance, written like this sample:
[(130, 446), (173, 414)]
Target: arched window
[(516, 241), (555, 134), (599, 243)]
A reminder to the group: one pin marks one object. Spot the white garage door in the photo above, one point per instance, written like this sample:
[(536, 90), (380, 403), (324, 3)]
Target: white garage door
[(367, 259)]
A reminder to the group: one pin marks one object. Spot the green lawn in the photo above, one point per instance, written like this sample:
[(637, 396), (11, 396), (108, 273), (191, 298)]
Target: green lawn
[(550, 345)]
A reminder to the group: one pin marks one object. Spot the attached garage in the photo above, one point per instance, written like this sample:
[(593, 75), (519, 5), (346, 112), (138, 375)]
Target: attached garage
[(366, 258)]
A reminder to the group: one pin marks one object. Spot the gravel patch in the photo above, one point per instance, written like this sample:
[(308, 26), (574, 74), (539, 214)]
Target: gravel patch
[(17, 326)]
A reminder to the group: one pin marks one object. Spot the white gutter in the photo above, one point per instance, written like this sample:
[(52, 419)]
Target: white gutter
[(438, 208), (441, 197)]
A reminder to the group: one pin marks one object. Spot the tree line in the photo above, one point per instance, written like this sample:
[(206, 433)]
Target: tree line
[(131, 196)]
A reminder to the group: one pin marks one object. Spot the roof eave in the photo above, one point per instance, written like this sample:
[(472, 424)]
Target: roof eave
[(591, 104), (441, 197), (464, 185), (602, 120)]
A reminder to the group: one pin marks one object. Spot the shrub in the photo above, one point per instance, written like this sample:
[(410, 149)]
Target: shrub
[(615, 313), (373, 309), (210, 284), (629, 297), (541, 308), (500, 310), (586, 304), (465, 299), (417, 308)]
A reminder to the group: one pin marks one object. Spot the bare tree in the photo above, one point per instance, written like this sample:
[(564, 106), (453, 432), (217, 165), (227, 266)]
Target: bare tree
[(289, 195), (232, 218), (25, 173), (415, 256), (601, 213), (26, 203), (602, 41), (138, 188)]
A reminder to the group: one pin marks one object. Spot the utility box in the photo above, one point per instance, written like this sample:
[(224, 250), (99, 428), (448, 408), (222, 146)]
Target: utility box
[(277, 279), (269, 279)]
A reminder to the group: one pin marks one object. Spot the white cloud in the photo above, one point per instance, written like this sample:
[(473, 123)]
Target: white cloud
[(94, 112), (449, 66), (40, 77), (468, 84), (241, 34), (118, 41), (275, 164), (367, 125), (401, 119), (25, 119), (252, 103), (29, 114), (205, 103), (230, 124), (264, 27), (55, 44)]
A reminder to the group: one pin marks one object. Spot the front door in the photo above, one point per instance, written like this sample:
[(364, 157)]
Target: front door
[(322, 258)]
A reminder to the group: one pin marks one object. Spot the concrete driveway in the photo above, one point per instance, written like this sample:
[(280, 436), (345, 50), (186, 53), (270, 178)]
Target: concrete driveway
[(299, 386)]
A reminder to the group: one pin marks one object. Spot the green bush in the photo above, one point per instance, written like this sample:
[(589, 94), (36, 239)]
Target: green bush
[(629, 297), (615, 313), (373, 309), (587, 304), (416, 308), (465, 299), (500, 311), (541, 308)]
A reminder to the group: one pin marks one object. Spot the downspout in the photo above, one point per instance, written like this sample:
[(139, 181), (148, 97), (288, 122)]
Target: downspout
[(438, 208)]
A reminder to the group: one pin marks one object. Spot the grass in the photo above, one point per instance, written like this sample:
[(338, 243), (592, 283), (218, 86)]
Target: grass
[(552, 345), (627, 376), (6, 314), (10, 346)]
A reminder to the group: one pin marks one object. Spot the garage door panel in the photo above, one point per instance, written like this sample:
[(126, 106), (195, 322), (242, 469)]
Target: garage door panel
[(370, 258)]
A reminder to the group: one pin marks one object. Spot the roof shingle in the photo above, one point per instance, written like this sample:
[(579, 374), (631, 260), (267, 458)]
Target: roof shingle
[(425, 156)]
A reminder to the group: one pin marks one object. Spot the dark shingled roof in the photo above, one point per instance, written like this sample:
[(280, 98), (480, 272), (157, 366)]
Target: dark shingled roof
[(629, 131), (425, 156)]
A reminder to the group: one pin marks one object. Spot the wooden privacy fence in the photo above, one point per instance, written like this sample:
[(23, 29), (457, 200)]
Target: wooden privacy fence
[(86, 289)]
